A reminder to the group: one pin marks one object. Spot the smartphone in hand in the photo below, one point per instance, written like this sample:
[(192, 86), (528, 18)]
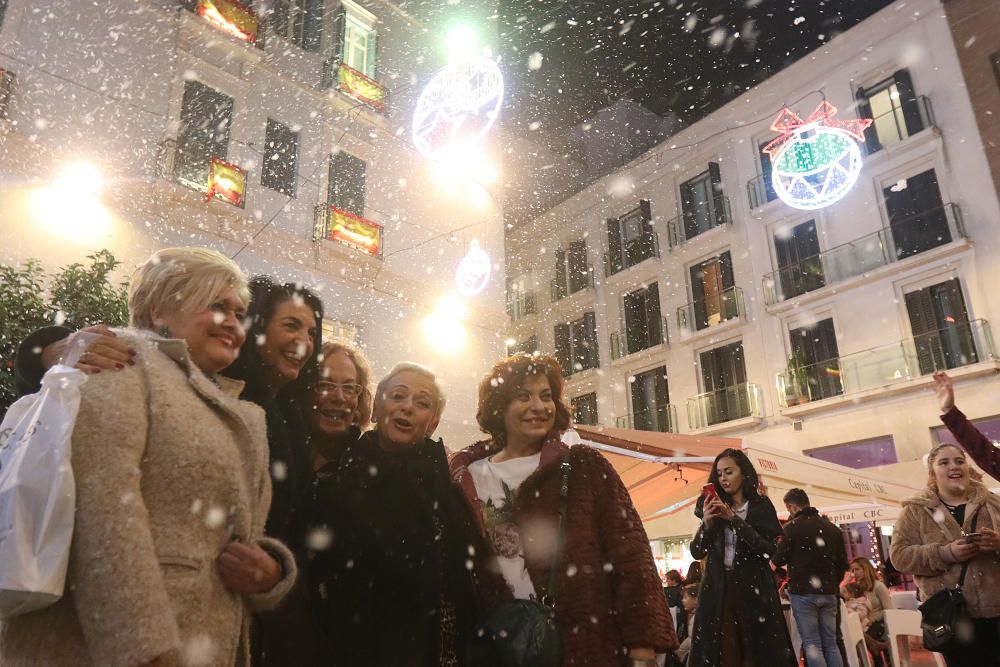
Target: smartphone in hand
[(971, 537), (709, 492)]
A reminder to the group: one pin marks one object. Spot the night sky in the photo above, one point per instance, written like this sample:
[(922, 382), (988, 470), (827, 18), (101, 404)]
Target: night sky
[(566, 60)]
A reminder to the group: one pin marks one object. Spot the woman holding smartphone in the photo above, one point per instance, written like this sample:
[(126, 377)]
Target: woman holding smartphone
[(739, 620)]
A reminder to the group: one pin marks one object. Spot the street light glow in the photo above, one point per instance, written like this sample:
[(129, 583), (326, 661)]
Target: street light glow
[(444, 327), (79, 179)]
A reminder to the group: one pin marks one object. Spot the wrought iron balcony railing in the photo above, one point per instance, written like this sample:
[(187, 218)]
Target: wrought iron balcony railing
[(625, 342), (354, 84), (710, 311), (726, 404), (663, 419), (905, 237), (959, 344)]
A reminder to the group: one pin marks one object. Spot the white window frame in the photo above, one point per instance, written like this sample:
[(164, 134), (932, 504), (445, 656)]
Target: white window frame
[(359, 32)]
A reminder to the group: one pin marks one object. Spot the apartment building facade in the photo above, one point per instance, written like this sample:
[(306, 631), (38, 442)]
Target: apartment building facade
[(681, 294), (281, 138)]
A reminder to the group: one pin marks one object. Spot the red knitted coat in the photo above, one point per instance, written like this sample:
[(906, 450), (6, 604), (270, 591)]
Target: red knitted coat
[(610, 597)]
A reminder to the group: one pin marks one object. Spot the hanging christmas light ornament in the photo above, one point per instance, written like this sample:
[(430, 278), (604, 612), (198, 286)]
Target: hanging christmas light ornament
[(473, 271), (458, 107), (816, 161)]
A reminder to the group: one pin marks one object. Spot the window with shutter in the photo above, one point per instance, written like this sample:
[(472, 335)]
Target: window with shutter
[(204, 133), (585, 409), (939, 321), (800, 269), (359, 39), (650, 401), (895, 109), (723, 376), (702, 202), (815, 349), (643, 322), (346, 187), (280, 159), (917, 217)]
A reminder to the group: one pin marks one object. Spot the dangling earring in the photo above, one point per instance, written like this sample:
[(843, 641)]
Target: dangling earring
[(164, 331)]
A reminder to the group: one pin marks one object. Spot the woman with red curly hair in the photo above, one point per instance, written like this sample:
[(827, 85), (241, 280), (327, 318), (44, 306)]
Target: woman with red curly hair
[(609, 604)]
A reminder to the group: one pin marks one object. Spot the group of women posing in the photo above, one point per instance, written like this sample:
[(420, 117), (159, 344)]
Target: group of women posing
[(244, 495)]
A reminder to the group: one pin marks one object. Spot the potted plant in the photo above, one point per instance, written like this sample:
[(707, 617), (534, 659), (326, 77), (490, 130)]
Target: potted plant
[(796, 380)]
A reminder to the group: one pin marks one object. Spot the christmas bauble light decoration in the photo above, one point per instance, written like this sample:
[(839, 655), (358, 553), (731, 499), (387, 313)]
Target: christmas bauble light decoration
[(458, 107), (473, 271), (816, 161)]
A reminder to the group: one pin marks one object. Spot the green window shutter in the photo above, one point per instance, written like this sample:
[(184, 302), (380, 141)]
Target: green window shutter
[(372, 58)]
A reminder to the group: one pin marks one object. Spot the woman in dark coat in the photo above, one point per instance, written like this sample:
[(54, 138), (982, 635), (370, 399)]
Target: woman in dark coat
[(407, 576), (739, 621), (609, 605)]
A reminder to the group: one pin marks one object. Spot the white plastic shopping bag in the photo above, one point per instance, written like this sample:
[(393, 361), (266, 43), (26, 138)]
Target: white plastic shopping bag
[(37, 492)]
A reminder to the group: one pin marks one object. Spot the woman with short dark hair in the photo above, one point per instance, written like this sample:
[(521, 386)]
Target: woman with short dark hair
[(609, 603), (739, 619)]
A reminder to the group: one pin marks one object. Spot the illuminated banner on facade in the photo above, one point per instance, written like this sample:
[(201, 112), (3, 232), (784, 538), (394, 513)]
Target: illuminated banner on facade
[(226, 182), (352, 230), (230, 16)]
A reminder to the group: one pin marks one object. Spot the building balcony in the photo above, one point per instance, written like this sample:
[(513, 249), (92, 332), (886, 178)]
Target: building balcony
[(902, 239), (355, 84), (726, 404), (349, 229), (584, 358), (688, 225), (711, 311), (663, 419), (559, 290), (625, 342), (522, 306), (634, 251), (958, 345), (891, 127), (231, 17), (192, 165), (760, 191)]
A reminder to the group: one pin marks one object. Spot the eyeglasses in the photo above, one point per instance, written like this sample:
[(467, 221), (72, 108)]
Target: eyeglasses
[(350, 390)]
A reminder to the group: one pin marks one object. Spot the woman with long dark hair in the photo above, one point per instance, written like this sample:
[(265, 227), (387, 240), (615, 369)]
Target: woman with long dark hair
[(739, 619)]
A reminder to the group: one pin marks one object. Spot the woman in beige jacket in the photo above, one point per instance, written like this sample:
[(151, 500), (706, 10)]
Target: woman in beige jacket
[(933, 538), (168, 553)]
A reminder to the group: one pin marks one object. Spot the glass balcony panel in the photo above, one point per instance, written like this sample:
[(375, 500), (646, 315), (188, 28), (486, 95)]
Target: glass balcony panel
[(906, 237), (726, 404), (710, 311), (959, 344), (624, 342), (663, 419)]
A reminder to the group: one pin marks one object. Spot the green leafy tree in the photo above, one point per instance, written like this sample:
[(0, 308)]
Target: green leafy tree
[(77, 295)]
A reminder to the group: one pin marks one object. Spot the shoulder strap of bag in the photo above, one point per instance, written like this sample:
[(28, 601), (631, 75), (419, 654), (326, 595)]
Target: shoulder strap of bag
[(965, 565), (549, 597)]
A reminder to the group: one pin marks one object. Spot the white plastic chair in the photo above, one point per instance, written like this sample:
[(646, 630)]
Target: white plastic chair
[(854, 639), (899, 625), (905, 600)]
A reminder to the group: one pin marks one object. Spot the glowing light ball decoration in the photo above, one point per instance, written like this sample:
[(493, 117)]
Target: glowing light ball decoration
[(458, 107), (816, 161), (473, 271)]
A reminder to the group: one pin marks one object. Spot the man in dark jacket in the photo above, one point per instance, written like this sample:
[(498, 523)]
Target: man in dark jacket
[(813, 549)]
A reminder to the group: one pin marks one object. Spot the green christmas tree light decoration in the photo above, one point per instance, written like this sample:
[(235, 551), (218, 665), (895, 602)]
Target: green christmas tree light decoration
[(815, 161)]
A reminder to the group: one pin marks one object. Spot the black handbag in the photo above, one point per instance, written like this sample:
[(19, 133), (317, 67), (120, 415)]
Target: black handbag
[(944, 617), (522, 633)]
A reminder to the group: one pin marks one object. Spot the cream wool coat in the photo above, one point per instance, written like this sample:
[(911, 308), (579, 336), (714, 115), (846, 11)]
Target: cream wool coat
[(170, 467), (917, 542)]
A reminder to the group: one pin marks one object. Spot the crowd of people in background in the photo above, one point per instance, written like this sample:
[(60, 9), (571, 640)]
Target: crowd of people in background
[(247, 494)]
